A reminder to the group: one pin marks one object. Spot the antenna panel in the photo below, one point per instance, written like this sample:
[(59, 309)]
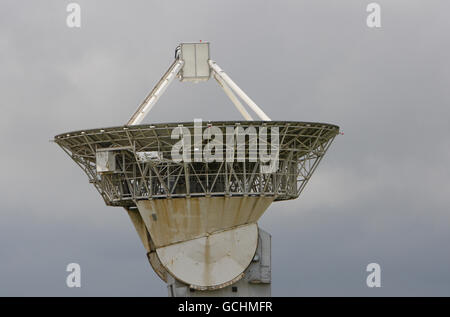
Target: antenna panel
[(195, 57)]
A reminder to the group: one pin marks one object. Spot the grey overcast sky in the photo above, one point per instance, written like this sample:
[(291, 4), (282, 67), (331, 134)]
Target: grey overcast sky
[(380, 195)]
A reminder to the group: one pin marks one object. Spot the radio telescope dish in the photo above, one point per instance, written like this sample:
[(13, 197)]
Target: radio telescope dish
[(196, 217)]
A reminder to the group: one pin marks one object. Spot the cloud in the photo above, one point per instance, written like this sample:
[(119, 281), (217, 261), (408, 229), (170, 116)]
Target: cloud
[(380, 194)]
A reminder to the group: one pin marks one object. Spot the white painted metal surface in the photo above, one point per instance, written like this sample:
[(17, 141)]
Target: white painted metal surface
[(149, 156), (255, 282), (195, 57), (213, 261), (105, 161), (206, 242), (175, 220), (233, 98), (156, 93), (238, 90)]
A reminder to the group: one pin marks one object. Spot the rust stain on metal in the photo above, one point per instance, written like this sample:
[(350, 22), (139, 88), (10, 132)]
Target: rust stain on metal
[(182, 219), (213, 261)]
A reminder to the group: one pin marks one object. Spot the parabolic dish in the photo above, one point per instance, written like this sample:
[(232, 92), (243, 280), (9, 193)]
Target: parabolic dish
[(301, 147)]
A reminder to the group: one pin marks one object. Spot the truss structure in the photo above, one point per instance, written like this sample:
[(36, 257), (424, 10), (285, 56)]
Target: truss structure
[(301, 147)]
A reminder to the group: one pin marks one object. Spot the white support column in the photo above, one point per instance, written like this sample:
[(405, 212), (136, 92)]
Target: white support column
[(220, 73), (154, 95), (233, 98)]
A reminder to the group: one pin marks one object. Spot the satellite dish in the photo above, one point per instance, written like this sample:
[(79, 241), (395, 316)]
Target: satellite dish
[(198, 218)]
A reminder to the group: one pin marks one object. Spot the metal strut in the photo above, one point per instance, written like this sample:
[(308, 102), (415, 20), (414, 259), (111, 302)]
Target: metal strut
[(220, 73), (233, 98), (154, 95)]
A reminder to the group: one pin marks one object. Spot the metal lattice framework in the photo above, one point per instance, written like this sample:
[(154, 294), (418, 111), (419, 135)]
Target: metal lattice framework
[(301, 147)]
